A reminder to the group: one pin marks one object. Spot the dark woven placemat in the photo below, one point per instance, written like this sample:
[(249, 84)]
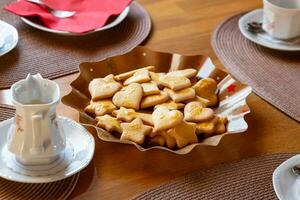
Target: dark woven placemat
[(58, 190), (247, 179), (6, 112), (274, 75), (54, 55)]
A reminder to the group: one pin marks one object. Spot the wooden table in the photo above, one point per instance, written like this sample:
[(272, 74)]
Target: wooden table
[(121, 171)]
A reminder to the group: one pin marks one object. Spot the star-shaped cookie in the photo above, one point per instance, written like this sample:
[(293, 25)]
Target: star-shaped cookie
[(135, 131), (184, 134), (109, 123), (100, 107)]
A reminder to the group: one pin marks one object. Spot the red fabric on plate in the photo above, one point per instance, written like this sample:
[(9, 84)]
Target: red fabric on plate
[(90, 14)]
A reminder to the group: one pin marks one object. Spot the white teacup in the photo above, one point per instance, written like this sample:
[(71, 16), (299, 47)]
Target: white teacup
[(282, 18), (36, 138)]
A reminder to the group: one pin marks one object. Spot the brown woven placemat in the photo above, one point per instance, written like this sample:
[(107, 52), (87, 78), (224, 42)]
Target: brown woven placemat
[(247, 179), (23, 191), (6, 112), (274, 75), (54, 56)]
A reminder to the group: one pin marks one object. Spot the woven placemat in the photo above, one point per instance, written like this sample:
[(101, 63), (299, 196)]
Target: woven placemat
[(23, 191), (274, 75), (6, 112), (54, 56), (247, 179)]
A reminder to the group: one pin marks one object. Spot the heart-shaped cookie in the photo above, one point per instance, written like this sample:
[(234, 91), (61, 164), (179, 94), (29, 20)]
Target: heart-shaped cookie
[(101, 88), (164, 119), (126, 75), (129, 97), (140, 76), (175, 82), (194, 112)]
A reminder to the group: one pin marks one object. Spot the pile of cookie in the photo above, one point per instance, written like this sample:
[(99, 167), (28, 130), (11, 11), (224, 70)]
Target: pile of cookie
[(167, 109)]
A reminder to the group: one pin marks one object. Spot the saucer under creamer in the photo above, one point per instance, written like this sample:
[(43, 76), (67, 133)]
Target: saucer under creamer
[(80, 146)]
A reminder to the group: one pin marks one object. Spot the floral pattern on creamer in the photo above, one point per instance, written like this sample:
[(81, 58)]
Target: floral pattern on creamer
[(54, 121), (18, 123)]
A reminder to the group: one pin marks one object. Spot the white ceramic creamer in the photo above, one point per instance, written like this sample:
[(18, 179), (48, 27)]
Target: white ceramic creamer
[(36, 138)]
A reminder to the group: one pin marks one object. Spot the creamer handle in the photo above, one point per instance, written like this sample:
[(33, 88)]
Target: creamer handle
[(37, 142)]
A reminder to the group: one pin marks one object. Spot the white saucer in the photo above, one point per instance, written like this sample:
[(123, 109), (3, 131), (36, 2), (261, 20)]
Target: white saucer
[(8, 37), (263, 39), (78, 154), (39, 26), (285, 183)]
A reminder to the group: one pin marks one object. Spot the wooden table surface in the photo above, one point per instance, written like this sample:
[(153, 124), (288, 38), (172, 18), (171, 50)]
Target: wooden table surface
[(121, 171)]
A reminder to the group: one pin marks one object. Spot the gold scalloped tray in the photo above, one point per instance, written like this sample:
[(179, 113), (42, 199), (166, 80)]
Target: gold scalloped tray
[(232, 94)]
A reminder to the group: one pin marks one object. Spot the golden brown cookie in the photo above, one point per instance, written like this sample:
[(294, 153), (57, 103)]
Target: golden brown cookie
[(101, 88), (164, 119), (194, 112), (100, 107), (128, 115), (157, 140), (169, 140), (184, 134), (180, 95), (126, 75), (203, 101), (221, 125), (153, 100), (171, 105), (207, 128), (109, 123), (206, 88), (150, 88), (135, 131), (129, 97), (140, 76), (174, 82), (189, 73), (155, 78)]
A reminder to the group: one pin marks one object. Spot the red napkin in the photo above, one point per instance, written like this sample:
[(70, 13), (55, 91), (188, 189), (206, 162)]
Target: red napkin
[(90, 14)]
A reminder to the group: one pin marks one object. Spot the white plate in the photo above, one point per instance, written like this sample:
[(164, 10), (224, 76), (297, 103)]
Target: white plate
[(118, 20), (285, 183), (78, 154), (8, 37), (263, 39)]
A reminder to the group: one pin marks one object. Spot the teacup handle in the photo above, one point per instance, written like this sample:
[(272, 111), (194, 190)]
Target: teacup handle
[(37, 134)]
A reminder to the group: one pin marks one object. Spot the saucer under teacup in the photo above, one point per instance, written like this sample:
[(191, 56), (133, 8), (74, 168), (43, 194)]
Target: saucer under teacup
[(286, 184), (79, 152), (264, 39)]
